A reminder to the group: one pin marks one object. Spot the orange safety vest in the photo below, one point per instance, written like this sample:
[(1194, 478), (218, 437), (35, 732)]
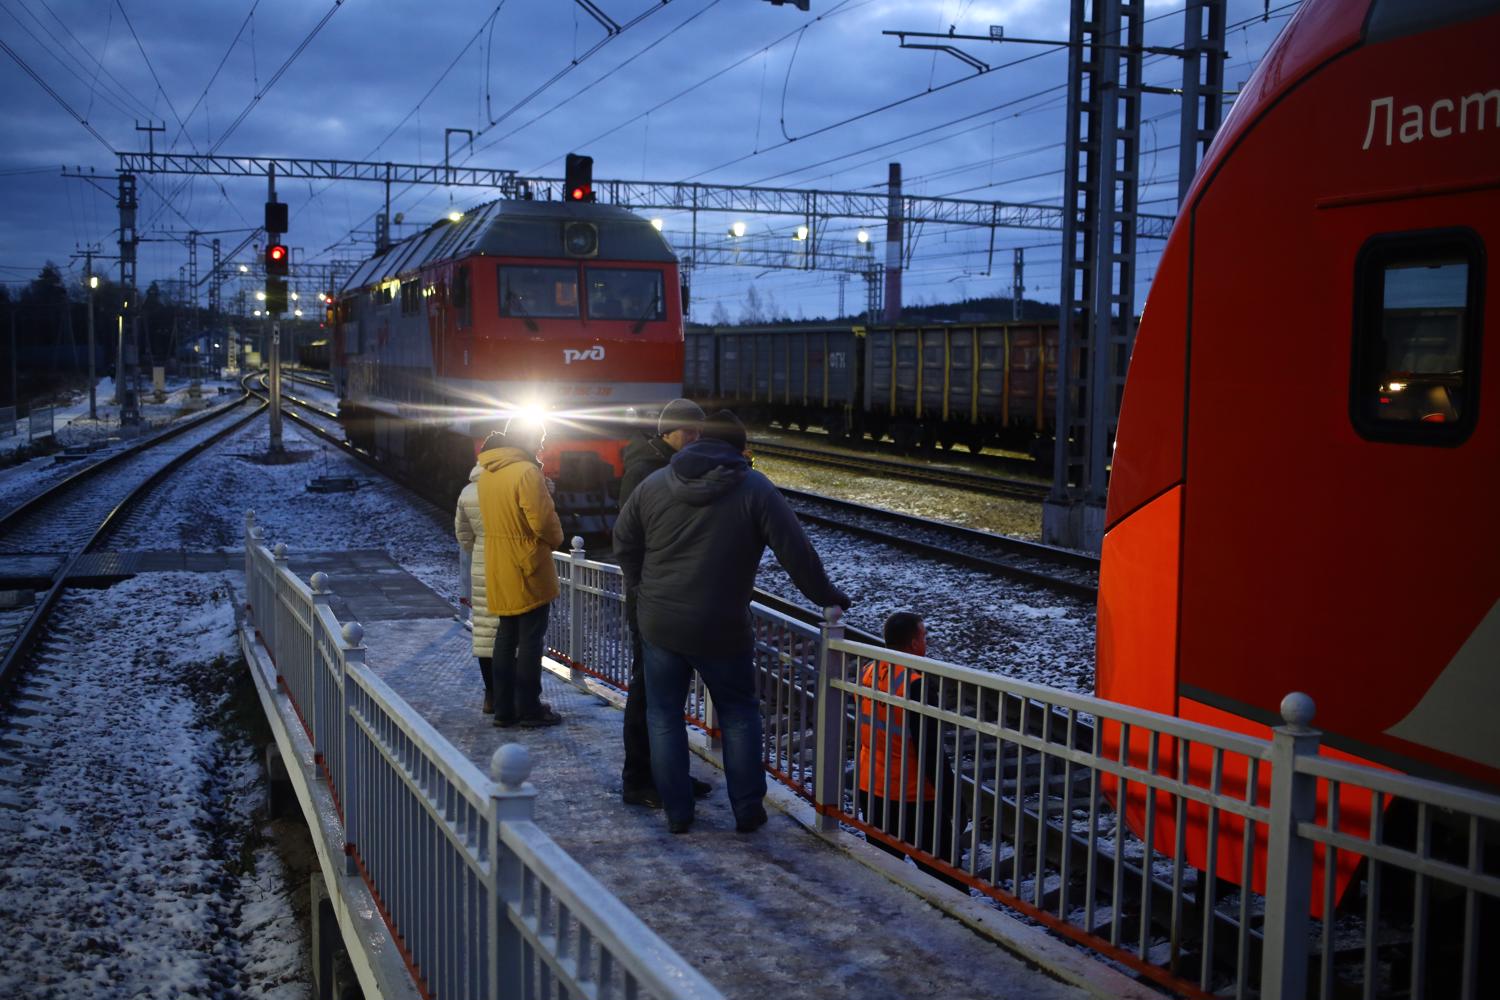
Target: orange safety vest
[(882, 738)]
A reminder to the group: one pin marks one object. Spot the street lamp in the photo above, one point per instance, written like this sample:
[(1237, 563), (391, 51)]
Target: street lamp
[(656, 224), (93, 284), (801, 233), (737, 229), (862, 236)]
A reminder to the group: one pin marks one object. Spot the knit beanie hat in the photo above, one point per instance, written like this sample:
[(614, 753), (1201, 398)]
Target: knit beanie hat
[(725, 426), (679, 414)]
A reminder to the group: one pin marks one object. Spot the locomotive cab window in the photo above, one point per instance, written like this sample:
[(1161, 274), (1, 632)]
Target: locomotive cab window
[(624, 293), (1416, 338), (529, 292)]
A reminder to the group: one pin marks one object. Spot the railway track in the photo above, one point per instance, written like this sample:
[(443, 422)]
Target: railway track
[(973, 482), (1061, 570), (45, 536)]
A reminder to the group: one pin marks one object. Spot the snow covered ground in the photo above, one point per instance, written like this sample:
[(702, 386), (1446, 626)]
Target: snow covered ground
[(133, 861), (142, 870)]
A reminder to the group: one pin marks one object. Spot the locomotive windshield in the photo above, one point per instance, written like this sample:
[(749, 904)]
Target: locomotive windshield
[(622, 293), (530, 292)]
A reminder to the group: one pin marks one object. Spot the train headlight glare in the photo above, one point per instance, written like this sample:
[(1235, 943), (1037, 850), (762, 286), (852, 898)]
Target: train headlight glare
[(656, 224), (1396, 386)]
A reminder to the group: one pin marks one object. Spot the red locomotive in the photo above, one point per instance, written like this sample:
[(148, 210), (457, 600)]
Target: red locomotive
[(567, 308), (1303, 491)]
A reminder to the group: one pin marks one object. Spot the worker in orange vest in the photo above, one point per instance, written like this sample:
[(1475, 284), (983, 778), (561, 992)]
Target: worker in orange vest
[(906, 783)]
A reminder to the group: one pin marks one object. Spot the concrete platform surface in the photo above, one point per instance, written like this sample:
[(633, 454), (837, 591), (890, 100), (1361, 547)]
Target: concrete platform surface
[(779, 913)]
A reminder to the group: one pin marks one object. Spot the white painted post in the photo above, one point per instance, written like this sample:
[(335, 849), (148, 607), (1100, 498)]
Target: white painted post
[(513, 798), (575, 610), (321, 593), (1289, 857), (351, 795), (828, 784), (251, 539)]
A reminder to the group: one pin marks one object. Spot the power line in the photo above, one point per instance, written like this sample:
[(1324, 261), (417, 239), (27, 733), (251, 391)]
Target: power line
[(55, 95)]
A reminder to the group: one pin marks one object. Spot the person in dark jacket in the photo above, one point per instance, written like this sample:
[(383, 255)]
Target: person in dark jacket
[(689, 541), (678, 426)]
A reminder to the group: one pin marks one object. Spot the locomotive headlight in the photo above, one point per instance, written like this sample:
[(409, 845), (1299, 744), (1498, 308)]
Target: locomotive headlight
[(1396, 386), (580, 239)]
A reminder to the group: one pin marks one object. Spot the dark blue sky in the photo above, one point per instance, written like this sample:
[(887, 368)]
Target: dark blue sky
[(383, 79)]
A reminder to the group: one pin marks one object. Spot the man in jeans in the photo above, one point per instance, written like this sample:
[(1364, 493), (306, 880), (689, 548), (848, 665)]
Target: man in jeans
[(689, 540), (521, 528), (678, 426)]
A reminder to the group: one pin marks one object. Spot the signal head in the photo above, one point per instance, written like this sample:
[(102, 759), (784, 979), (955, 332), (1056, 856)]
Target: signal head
[(278, 258)]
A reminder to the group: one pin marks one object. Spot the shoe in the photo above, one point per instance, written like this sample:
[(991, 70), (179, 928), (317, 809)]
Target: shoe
[(489, 708), (546, 717), (647, 796), (701, 789), (679, 825), (505, 723), (752, 822)]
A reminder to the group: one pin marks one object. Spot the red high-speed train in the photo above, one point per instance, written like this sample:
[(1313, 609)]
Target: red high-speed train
[(568, 308), (1305, 481)]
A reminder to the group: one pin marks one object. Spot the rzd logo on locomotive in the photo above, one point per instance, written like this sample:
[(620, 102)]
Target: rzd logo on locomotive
[(595, 353)]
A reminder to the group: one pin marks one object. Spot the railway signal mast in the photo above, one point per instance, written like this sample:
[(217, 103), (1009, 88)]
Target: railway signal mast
[(278, 266)]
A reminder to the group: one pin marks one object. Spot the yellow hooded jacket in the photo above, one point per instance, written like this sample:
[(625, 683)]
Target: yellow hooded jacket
[(521, 529)]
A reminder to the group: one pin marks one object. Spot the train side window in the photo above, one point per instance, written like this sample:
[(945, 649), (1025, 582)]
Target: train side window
[(1418, 299), (529, 292), (411, 297)]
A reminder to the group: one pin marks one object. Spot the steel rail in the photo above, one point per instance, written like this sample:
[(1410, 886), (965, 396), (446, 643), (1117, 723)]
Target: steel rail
[(993, 565), (30, 632), (954, 478)]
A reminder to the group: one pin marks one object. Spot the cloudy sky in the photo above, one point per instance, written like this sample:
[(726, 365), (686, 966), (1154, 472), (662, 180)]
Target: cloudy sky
[(719, 91)]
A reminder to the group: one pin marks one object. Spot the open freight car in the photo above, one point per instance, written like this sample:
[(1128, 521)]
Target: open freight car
[(936, 385)]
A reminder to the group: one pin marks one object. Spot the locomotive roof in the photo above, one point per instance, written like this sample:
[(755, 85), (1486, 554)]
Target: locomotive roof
[(508, 228)]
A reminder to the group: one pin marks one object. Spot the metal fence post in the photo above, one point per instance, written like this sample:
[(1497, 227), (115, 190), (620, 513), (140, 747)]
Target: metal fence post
[(350, 798), (1289, 856), (513, 798), (575, 611), (828, 785)]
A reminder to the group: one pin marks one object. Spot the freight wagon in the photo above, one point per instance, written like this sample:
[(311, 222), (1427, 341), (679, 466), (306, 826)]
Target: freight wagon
[(929, 386)]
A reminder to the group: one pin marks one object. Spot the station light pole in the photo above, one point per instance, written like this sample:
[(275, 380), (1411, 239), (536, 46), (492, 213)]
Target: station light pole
[(93, 284)]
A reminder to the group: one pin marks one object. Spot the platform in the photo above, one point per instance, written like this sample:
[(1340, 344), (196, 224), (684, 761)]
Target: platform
[(782, 912)]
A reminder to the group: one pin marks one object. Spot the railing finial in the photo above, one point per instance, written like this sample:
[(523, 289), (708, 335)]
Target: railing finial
[(511, 766), (577, 543), (1297, 709), (279, 551), (354, 633), (319, 581)]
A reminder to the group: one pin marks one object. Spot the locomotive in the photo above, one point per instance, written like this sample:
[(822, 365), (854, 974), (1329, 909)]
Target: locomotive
[(936, 385), (1314, 512), (570, 310)]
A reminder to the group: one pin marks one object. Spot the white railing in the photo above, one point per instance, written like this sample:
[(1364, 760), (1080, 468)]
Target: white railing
[(480, 901), (1204, 860)]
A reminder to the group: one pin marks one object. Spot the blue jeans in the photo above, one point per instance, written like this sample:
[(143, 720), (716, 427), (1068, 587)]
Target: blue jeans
[(731, 684), (516, 667)]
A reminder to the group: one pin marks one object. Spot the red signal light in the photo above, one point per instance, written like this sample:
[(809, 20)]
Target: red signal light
[(579, 193), (277, 259)]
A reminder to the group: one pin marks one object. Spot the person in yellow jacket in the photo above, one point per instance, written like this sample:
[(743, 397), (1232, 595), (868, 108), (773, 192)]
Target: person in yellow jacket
[(521, 528), (907, 787)]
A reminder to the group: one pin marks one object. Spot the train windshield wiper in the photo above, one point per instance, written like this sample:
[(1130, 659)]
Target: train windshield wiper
[(650, 313), (514, 303)]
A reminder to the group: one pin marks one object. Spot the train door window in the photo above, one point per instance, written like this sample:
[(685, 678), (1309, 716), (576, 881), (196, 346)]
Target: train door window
[(548, 292), (624, 293), (411, 297), (1416, 337), (459, 291)]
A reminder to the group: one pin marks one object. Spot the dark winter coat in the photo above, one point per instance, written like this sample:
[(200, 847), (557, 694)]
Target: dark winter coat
[(690, 539), (643, 456)]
